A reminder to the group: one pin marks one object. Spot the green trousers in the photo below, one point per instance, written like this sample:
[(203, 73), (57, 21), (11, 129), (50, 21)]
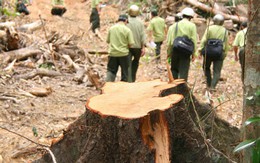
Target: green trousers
[(242, 61), (212, 81), (134, 57), (112, 67), (94, 19), (158, 50), (180, 66)]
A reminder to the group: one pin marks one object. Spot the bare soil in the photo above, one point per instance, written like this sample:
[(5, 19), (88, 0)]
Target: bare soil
[(51, 115)]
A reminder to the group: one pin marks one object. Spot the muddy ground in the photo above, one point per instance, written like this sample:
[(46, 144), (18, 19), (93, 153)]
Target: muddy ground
[(50, 115)]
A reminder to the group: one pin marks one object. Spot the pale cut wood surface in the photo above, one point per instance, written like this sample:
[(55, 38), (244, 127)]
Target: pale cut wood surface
[(133, 100)]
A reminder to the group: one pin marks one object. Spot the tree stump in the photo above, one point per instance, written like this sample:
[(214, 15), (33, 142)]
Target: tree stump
[(136, 123)]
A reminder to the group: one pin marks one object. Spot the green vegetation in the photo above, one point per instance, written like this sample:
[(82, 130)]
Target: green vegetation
[(252, 144)]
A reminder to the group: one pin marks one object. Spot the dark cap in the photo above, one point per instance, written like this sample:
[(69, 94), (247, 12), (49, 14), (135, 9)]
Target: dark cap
[(122, 17), (244, 24), (154, 12)]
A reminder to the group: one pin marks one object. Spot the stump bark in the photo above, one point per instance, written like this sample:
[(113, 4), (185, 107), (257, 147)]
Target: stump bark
[(162, 130)]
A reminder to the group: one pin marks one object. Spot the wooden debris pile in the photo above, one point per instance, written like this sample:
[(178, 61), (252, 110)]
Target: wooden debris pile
[(25, 55)]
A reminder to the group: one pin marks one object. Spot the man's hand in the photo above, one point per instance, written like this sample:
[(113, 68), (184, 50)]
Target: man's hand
[(143, 52), (193, 58), (236, 58), (200, 54)]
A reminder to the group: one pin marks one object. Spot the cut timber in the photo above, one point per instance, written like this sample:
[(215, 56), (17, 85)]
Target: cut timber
[(148, 132), (98, 52), (40, 72), (19, 54), (31, 27), (209, 9), (4, 25)]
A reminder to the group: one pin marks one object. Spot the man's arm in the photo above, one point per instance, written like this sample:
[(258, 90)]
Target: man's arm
[(235, 48), (131, 41), (143, 40), (169, 41), (203, 41), (194, 39), (150, 32), (98, 3), (108, 37)]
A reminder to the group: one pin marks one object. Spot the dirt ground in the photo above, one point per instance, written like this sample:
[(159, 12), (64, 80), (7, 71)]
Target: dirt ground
[(50, 115)]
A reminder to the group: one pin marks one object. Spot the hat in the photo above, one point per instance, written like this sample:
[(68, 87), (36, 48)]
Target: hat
[(188, 12), (122, 17)]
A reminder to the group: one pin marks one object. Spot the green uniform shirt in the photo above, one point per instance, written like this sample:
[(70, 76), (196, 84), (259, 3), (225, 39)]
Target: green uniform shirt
[(94, 3), (157, 26), (215, 32), (240, 38), (24, 1), (137, 28), (119, 37), (58, 2), (185, 28)]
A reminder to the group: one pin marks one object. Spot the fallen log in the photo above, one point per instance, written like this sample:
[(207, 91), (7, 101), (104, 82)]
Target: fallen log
[(209, 9), (30, 27), (141, 122), (80, 72), (98, 52), (19, 54), (40, 72), (4, 25), (41, 92)]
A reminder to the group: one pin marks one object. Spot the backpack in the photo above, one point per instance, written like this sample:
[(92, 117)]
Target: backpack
[(183, 44), (214, 48)]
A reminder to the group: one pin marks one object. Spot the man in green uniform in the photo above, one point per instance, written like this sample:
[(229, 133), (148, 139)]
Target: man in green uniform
[(239, 44), (21, 6), (137, 50), (120, 38), (58, 7), (180, 64), (157, 30), (94, 16), (215, 31)]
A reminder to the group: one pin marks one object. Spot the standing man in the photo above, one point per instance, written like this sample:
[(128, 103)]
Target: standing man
[(94, 16), (58, 7), (21, 6), (120, 38), (157, 30), (215, 32), (180, 63), (239, 46), (137, 50)]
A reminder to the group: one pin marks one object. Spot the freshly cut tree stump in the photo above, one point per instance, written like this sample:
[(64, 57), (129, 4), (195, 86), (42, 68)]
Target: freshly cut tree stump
[(136, 123)]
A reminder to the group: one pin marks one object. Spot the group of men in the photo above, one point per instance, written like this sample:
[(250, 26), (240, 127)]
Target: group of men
[(58, 7), (127, 41)]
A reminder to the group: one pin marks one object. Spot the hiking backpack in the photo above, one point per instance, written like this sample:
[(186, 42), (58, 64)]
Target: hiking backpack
[(214, 48), (183, 44)]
